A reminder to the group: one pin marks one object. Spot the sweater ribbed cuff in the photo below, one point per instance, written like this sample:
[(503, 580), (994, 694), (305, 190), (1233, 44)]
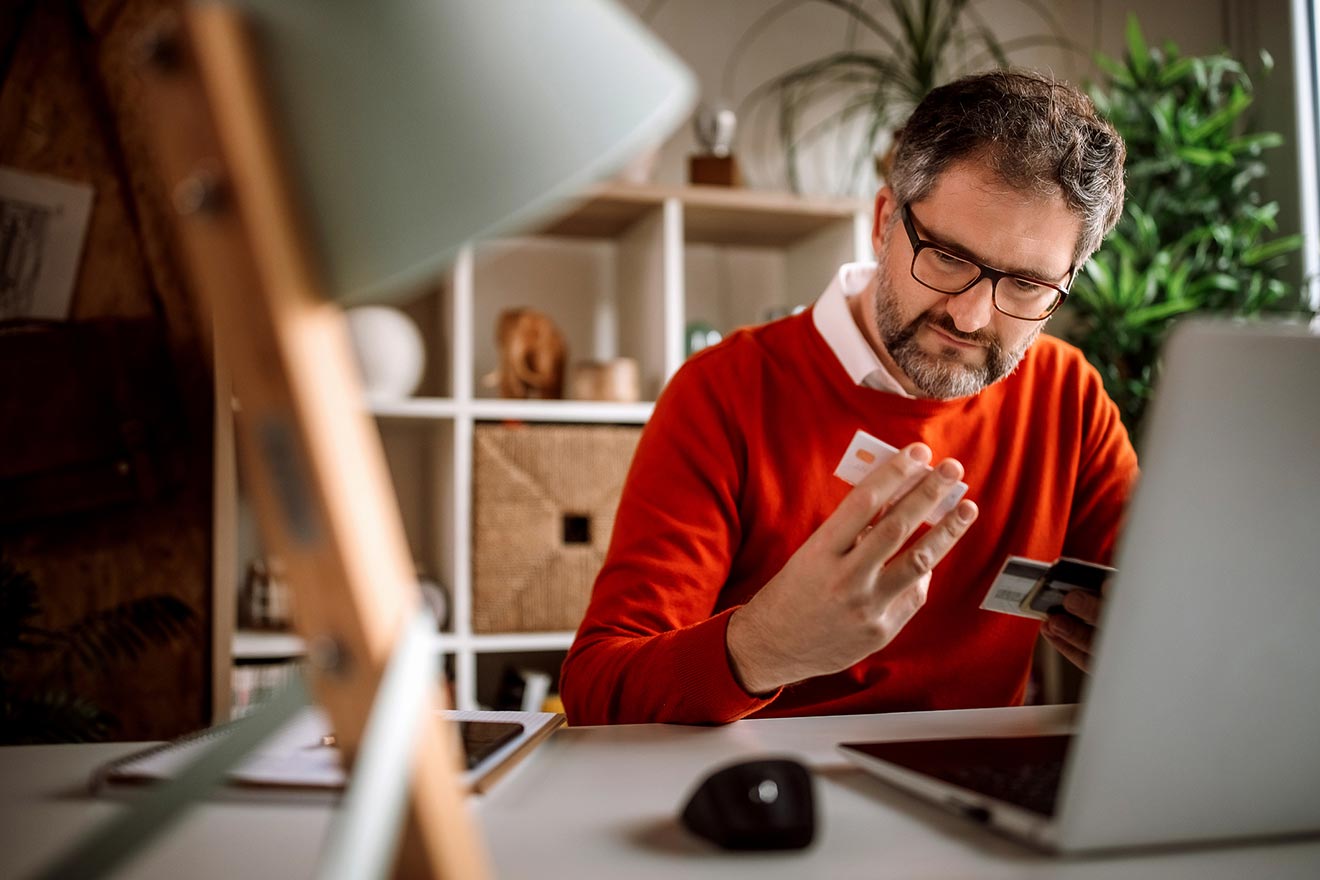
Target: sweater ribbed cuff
[(709, 689)]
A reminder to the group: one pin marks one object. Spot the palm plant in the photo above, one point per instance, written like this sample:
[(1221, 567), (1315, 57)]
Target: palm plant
[(36, 664), (1195, 232), (857, 96)]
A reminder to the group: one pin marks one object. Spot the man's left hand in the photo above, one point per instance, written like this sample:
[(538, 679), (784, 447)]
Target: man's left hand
[(1073, 632)]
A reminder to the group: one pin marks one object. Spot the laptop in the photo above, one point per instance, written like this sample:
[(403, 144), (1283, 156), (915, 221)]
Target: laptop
[(1201, 720)]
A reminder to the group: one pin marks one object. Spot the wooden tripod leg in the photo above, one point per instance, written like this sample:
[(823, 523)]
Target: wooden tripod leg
[(312, 457)]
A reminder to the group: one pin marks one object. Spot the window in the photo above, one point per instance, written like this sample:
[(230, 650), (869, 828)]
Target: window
[(1306, 50)]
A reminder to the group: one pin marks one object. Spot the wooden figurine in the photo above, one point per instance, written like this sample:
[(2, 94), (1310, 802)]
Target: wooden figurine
[(532, 354)]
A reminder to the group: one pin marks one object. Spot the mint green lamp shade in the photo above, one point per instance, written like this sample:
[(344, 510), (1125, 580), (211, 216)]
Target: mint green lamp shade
[(415, 126)]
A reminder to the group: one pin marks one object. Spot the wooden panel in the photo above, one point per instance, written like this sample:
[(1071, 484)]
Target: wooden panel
[(69, 108)]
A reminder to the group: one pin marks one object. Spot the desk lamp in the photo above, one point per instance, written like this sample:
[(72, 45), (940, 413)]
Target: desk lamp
[(331, 152)]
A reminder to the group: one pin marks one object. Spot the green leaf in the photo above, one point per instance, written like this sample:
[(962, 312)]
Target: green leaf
[(1244, 178), (1262, 252), (1222, 118), (1116, 71), (1264, 215), (1205, 158), (1164, 112), (1148, 234), (1129, 290), (1121, 246), (1218, 281), (1175, 286), (1159, 312), (1102, 277), (1138, 52), (1253, 144), (1175, 72)]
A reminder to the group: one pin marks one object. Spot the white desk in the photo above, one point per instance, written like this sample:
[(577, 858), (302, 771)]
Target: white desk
[(601, 802)]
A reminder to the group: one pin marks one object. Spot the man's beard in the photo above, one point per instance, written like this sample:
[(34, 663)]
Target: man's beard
[(942, 375)]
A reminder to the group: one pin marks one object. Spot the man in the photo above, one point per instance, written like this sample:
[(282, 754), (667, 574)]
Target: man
[(743, 578)]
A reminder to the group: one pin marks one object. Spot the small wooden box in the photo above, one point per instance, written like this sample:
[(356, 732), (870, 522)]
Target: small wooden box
[(714, 171), (544, 498)]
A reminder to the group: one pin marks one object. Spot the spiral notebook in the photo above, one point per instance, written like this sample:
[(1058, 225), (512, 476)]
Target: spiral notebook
[(300, 759)]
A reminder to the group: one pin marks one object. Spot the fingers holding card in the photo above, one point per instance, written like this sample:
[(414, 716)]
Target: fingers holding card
[(1084, 605), (1029, 588), (866, 453)]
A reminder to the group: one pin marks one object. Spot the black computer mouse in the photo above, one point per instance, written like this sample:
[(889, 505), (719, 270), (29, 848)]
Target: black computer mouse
[(765, 804)]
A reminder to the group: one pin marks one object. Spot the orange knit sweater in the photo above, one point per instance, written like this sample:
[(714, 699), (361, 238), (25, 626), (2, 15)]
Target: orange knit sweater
[(735, 470)]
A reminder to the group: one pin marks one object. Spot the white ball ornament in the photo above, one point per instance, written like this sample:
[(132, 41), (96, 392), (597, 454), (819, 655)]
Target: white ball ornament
[(389, 349)]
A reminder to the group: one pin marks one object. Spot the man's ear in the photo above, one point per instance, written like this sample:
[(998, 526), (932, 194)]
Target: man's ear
[(885, 206)]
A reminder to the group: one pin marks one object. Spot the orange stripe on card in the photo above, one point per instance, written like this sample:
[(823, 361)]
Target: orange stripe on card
[(866, 455)]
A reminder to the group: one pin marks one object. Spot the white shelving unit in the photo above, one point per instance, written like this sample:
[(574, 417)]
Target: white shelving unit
[(621, 273)]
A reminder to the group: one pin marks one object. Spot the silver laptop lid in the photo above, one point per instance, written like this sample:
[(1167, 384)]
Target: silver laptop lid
[(1202, 718)]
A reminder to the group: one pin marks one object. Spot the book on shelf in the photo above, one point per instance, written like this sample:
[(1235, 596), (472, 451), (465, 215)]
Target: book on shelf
[(301, 759), (252, 683)]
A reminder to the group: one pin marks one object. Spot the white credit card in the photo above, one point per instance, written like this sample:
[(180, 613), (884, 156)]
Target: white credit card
[(1013, 584), (866, 453)]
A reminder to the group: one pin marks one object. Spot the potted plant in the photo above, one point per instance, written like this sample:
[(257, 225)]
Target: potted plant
[(1195, 235), (36, 704), (849, 101)]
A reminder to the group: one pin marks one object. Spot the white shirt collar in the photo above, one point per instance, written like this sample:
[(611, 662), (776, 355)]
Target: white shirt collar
[(834, 322)]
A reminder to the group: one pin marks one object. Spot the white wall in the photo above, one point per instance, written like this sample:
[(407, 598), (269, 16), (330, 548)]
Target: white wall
[(1253, 25), (705, 32)]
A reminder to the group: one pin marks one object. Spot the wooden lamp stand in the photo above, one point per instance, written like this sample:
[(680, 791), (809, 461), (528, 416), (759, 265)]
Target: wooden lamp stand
[(312, 457)]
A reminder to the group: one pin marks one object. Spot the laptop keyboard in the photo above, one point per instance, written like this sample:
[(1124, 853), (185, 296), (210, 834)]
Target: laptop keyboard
[(1032, 786)]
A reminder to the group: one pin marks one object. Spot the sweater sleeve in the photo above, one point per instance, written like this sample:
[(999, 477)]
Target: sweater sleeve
[(651, 647), (1107, 472)]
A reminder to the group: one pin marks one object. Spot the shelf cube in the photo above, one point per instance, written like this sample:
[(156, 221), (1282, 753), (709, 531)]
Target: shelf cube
[(544, 498)]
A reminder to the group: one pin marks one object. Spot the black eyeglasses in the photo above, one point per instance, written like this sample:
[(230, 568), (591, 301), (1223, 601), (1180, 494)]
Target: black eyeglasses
[(1028, 299)]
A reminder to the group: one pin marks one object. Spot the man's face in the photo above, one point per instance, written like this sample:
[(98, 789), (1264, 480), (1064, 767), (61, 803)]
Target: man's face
[(953, 346)]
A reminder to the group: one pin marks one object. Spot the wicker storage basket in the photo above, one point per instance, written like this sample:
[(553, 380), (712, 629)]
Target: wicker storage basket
[(544, 498)]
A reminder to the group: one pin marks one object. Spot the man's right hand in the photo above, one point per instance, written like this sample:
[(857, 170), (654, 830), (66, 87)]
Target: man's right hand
[(848, 591)]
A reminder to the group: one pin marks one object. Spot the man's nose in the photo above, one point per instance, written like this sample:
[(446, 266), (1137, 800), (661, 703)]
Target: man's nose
[(973, 309)]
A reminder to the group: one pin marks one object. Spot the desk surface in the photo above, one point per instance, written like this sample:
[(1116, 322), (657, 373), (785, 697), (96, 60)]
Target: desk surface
[(602, 801)]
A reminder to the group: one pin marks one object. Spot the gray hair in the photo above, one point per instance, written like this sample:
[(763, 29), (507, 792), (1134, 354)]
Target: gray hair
[(1037, 135)]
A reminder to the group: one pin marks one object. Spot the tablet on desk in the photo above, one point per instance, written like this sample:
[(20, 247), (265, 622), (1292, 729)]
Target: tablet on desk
[(481, 739), (478, 739)]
